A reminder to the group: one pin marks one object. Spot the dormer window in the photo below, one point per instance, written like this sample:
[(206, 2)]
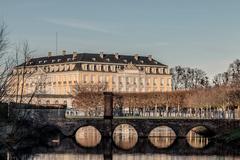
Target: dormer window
[(39, 62), (101, 54), (125, 60), (93, 59), (116, 55), (142, 61), (68, 59), (136, 57), (45, 61), (59, 60), (155, 62), (53, 60), (108, 59), (74, 56), (150, 57)]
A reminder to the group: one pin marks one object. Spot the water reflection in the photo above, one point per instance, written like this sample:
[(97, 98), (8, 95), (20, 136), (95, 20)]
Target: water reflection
[(197, 140), (162, 137), (170, 157), (68, 156), (125, 136), (88, 136)]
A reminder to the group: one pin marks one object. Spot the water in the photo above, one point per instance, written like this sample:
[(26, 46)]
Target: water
[(162, 144), (128, 157)]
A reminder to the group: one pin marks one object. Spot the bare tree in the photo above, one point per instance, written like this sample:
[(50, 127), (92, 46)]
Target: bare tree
[(188, 78), (89, 98)]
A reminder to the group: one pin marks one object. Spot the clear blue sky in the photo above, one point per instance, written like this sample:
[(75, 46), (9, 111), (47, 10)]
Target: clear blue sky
[(195, 33)]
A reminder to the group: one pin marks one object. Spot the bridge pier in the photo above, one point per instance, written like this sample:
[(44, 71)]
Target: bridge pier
[(108, 105)]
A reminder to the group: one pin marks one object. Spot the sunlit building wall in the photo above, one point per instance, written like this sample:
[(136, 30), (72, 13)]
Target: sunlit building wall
[(52, 78)]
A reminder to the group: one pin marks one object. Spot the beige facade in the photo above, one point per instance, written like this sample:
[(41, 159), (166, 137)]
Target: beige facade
[(53, 78)]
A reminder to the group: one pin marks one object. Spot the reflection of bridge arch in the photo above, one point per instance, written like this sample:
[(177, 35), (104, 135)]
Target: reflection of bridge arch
[(162, 137), (88, 136), (125, 136)]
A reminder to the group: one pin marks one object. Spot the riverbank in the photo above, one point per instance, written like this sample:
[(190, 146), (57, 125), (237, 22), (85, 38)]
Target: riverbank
[(232, 137)]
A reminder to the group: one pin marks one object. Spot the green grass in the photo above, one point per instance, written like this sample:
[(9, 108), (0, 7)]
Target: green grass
[(231, 137)]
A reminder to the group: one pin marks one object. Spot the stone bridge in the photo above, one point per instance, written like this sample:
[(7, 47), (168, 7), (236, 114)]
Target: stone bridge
[(181, 127), (143, 125)]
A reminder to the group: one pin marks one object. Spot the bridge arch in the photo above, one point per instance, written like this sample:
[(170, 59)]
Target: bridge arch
[(198, 137), (125, 136), (202, 129), (88, 136)]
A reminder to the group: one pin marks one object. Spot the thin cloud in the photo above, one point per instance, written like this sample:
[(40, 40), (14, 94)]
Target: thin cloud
[(78, 25), (153, 44)]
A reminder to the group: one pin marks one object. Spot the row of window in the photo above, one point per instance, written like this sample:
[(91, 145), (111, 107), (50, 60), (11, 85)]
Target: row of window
[(121, 80), (114, 68), (48, 68), (102, 79)]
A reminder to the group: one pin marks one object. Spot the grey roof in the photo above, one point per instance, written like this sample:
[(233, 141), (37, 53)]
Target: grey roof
[(94, 57)]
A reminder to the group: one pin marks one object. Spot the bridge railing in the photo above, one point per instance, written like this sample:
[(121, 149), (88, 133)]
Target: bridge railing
[(158, 114)]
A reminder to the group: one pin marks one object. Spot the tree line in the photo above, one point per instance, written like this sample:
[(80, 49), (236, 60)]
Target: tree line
[(192, 92)]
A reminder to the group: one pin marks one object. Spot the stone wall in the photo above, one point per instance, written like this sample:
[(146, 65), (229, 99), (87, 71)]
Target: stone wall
[(36, 112)]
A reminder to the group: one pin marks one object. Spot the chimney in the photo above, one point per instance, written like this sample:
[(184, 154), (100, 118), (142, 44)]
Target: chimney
[(136, 57), (64, 52), (74, 57), (150, 57), (116, 55), (101, 54), (49, 54)]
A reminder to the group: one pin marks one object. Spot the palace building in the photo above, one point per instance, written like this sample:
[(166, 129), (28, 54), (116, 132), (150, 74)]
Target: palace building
[(51, 79)]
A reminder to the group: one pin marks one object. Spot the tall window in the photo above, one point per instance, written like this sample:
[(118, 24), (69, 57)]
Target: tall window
[(160, 70), (127, 80), (120, 80), (162, 82), (100, 79), (147, 69), (113, 68), (169, 82), (105, 68), (92, 78), (113, 80), (84, 78), (134, 80), (91, 67), (148, 81), (84, 67), (99, 67), (155, 81)]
